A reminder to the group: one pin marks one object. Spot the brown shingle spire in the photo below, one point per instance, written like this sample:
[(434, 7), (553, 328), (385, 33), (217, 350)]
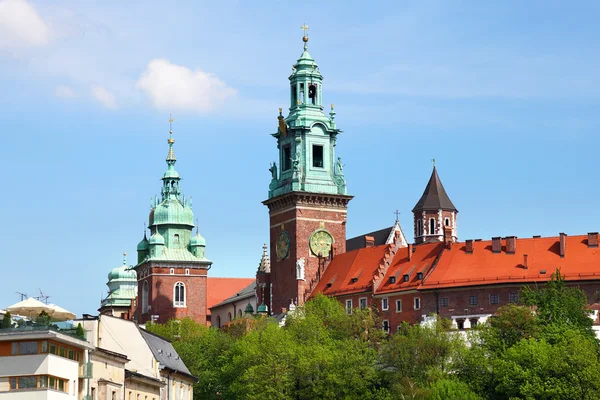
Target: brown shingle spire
[(434, 197)]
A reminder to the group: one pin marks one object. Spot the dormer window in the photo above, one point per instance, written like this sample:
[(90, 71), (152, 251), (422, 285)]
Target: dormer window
[(406, 277), (392, 279)]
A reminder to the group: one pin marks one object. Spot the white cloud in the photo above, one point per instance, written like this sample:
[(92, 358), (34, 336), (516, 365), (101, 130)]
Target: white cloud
[(105, 97), (21, 25), (64, 91), (172, 87)]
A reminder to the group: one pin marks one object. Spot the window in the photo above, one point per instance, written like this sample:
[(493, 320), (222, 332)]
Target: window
[(287, 158), (145, 297), (513, 297), (218, 321), (460, 324), (44, 346), (386, 326), (312, 94), (473, 300), (179, 296), (419, 227), (113, 396), (398, 305), (349, 306), (27, 382), (432, 226), (362, 302), (23, 348), (43, 381), (474, 322), (494, 299), (53, 349), (447, 222), (176, 239), (405, 277), (187, 271), (62, 351), (38, 382), (384, 304), (417, 303), (229, 315), (317, 152), (443, 302), (240, 313), (172, 271)]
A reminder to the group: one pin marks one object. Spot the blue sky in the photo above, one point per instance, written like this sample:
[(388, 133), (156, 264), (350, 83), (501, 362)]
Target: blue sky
[(504, 95)]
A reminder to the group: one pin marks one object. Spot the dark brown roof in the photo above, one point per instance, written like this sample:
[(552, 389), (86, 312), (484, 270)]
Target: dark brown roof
[(434, 197), (358, 242)]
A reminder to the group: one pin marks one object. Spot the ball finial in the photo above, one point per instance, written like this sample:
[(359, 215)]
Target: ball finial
[(305, 39)]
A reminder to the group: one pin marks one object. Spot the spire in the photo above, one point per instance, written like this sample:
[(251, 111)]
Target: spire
[(125, 257), (434, 197), (171, 177), (265, 262), (171, 155)]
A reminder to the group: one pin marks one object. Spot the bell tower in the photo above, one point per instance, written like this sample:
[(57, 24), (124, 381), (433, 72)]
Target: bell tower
[(307, 194)]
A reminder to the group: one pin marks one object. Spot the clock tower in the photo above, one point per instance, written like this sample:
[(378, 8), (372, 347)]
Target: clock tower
[(307, 194)]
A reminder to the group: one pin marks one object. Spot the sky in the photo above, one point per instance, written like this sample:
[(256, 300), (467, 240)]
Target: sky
[(504, 95)]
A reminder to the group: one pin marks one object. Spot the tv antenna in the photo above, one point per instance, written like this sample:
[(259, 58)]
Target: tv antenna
[(23, 295)]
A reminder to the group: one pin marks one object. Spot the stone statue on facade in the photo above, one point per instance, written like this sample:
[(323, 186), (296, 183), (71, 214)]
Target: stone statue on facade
[(273, 170), (339, 167), (300, 268)]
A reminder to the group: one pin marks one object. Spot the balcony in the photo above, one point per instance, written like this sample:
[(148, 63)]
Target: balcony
[(85, 371)]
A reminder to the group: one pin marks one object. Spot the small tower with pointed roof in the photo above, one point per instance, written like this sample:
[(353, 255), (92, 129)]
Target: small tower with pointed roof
[(172, 266), (434, 213), (122, 291)]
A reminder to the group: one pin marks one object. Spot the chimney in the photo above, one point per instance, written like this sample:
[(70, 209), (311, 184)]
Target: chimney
[(410, 251), (369, 241), (563, 243), (525, 261), (469, 246), (593, 239), (511, 244), (496, 245), (448, 236)]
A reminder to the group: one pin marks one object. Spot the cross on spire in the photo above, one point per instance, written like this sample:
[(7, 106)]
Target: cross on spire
[(397, 215), (171, 123), (304, 27)]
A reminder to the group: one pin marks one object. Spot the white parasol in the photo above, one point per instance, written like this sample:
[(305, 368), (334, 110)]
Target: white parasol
[(29, 308), (60, 314)]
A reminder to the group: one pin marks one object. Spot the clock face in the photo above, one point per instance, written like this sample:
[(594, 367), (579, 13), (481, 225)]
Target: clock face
[(320, 242), (283, 245)]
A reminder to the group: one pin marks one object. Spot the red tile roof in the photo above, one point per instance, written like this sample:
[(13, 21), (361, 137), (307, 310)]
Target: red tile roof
[(422, 259), (457, 268), (218, 289), (359, 265)]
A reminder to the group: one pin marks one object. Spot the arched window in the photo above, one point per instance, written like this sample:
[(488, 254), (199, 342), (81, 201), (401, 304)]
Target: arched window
[(176, 238), (218, 321), (229, 316), (179, 295), (432, 226), (447, 222), (172, 271), (145, 297), (187, 271), (240, 313), (419, 227)]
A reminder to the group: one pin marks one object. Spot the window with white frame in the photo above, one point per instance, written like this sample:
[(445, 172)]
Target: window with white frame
[(179, 295), (172, 271), (494, 299), (384, 304), (349, 306), (362, 302), (386, 326), (398, 305), (417, 303), (187, 271)]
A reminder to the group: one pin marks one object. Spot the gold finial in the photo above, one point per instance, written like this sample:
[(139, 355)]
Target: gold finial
[(280, 110), (124, 254), (171, 140), (332, 106)]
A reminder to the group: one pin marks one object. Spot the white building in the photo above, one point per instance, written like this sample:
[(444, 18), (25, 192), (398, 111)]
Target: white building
[(42, 364)]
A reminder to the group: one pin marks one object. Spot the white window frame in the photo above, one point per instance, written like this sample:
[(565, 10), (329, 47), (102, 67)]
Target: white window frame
[(399, 309), (389, 329), (349, 306), (187, 271), (176, 303), (360, 299), (385, 306), (172, 271), (415, 301)]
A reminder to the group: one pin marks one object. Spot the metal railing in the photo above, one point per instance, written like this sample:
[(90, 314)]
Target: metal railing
[(86, 371)]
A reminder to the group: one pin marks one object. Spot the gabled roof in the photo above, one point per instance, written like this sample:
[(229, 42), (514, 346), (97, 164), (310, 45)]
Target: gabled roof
[(247, 292), (435, 196), (219, 289), (165, 353), (382, 236), (422, 260), (351, 272), (457, 268)]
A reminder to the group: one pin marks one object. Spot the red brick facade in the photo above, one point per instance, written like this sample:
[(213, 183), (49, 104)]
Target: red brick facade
[(300, 215), (161, 280)]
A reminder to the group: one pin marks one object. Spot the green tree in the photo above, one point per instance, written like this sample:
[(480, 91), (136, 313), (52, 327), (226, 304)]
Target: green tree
[(511, 324), (6, 321), (79, 331), (451, 389)]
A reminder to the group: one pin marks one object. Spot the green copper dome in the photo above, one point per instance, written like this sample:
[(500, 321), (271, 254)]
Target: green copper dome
[(262, 309), (122, 285), (157, 238), (171, 212), (197, 240), (143, 245)]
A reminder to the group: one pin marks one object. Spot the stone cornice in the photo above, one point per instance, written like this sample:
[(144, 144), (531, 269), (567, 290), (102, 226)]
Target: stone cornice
[(304, 198)]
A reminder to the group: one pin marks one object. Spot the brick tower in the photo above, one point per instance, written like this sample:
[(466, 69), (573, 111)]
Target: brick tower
[(172, 268), (434, 213), (307, 196)]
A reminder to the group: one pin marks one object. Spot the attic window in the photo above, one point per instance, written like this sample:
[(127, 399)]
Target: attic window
[(354, 280), (406, 277), (328, 285), (419, 275), (392, 279), (543, 272)]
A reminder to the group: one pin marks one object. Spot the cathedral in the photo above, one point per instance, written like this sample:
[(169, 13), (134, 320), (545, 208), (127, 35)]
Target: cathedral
[(308, 251)]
